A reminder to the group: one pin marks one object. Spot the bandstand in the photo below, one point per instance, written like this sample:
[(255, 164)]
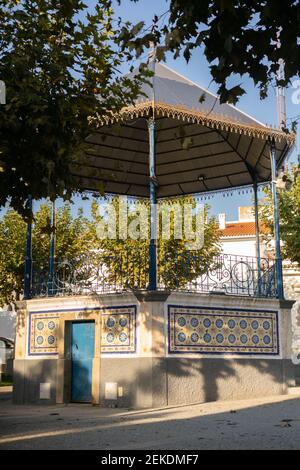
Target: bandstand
[(225, 336)]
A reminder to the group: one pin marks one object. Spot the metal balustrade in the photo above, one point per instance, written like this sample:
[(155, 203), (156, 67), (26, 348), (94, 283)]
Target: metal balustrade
[(96, 273), (231, 275)]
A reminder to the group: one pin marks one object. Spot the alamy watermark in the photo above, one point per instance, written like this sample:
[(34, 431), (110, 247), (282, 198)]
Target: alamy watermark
[(139, 221)]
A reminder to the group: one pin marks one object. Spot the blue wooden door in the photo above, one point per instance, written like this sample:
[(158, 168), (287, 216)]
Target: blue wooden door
[(83, 344)]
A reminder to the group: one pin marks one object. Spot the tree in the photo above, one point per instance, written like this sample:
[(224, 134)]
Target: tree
[(239, 38), (72, 239), (126, 261), (72, 233), (59, 70), (12, 255), (85, 262), (289, 210)]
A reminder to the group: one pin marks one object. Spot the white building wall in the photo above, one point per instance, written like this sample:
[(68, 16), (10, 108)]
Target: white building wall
[(7, 324), (241, 247), (7, 330)]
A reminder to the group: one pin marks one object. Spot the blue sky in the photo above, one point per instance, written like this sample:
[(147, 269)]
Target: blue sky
[(198, 71)]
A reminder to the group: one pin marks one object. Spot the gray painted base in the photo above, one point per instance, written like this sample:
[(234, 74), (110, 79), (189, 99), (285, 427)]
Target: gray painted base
[(28, 375), (148, 382)]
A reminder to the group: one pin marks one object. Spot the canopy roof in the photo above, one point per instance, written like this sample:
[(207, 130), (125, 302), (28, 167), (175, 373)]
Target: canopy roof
[(200, 145)]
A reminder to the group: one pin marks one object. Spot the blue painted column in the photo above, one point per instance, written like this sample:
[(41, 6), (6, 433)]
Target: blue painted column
[(257, 231), (51, 289), (278, 258), (28, 256), (153, 186)]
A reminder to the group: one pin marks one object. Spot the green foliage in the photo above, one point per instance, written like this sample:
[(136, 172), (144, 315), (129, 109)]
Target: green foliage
[(12, 255), (127, 259), (289, 209), (72, 235), (239, 38), (117, 261), (59, 71), (72, 239), (6, 381)]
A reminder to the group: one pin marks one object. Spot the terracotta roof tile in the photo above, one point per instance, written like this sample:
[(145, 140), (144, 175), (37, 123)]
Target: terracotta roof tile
[(239, 229)]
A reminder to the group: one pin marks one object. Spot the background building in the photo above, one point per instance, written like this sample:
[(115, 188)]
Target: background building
[(239, 238), (7, 341)]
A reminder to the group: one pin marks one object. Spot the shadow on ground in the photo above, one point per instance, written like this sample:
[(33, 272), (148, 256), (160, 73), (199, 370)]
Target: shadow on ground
[(252, 424)]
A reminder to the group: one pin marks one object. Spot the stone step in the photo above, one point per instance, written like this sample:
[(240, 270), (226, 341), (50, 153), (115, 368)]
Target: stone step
[(294, 391)]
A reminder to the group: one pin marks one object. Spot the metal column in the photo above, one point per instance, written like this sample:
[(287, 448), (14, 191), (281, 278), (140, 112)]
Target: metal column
[(28, 256), (51, 290), (257, 231), (278, 258), (153, 186)]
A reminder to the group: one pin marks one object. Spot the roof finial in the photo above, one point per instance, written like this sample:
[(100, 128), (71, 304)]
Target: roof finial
[(281, 92)]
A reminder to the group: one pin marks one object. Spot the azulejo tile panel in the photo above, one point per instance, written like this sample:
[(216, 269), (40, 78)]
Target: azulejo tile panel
[(43, 333), (119, 330), (222, 331)]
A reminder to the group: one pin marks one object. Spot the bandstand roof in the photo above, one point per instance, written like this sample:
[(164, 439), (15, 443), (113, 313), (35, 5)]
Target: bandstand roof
[(200, 146)]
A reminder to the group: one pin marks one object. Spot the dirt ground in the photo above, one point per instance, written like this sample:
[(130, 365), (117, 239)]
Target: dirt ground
[(268, 423)]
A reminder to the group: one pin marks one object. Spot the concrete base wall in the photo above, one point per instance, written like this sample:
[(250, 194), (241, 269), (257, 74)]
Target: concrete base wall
[(165, 382), (9, 367), (150, 383), (213, 380), (28, 375)]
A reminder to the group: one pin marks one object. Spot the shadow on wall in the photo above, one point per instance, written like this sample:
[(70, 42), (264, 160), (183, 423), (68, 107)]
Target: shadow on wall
[(159, 382), (35, 381), (178, 381), (28, 377), (199, 379), (162, 382), (20, 322)]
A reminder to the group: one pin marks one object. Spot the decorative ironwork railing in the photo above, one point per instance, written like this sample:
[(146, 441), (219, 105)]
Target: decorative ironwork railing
[(229, 274), (90, 274), (98, 274)]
